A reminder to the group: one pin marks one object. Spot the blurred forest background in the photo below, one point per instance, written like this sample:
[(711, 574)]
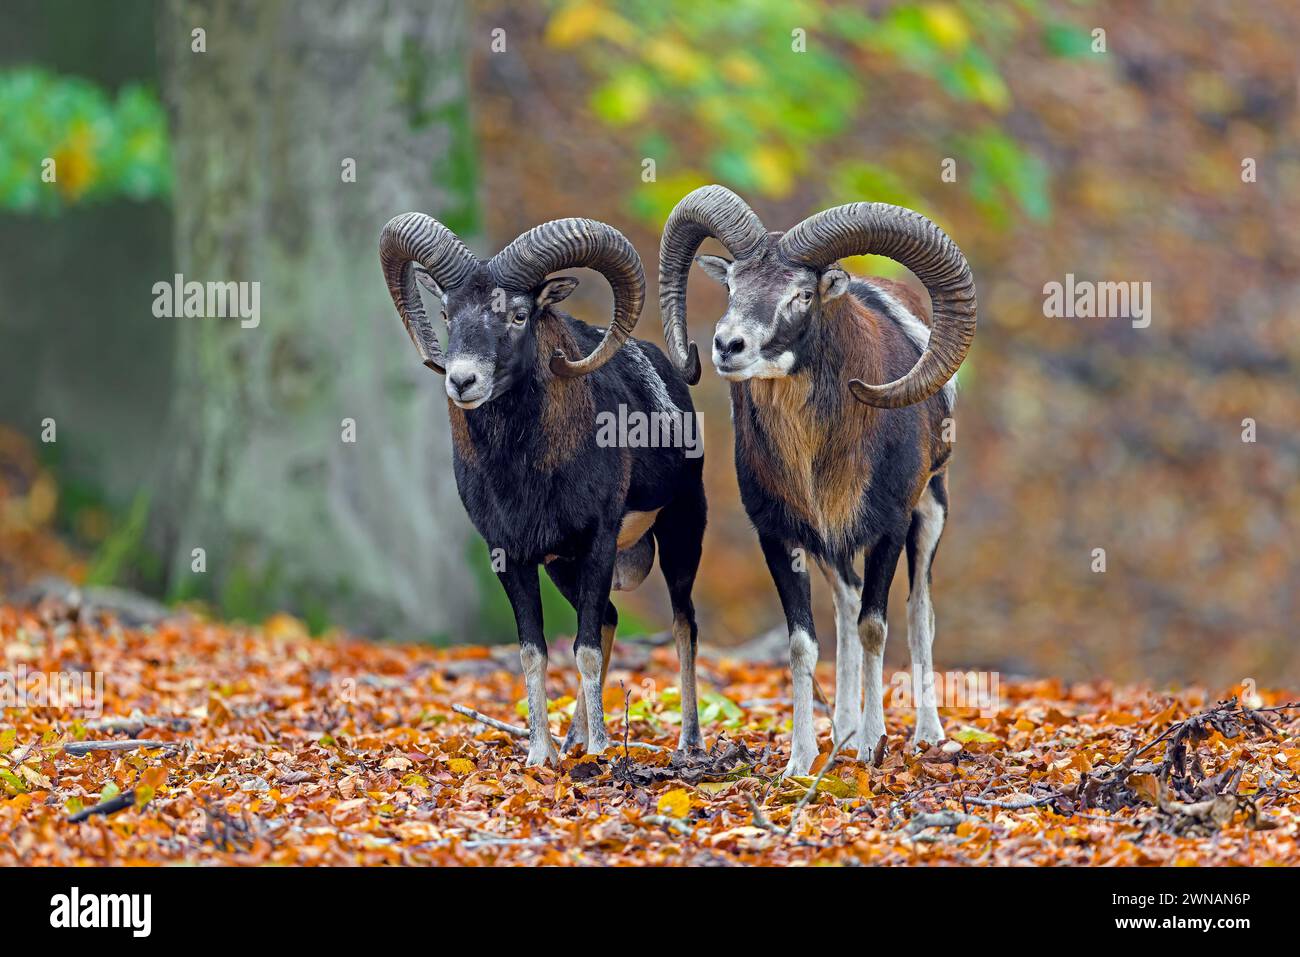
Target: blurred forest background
[(1163, 150)]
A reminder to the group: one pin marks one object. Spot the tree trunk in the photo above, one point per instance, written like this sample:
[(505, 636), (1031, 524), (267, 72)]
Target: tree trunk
[(368, 534)]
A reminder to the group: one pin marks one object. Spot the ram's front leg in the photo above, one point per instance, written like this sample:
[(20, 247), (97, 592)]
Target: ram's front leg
[(791, 578), (520, 582), (594, 578)]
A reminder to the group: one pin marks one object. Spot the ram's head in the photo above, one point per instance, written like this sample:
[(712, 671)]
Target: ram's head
[(779, 282), (491, 308)]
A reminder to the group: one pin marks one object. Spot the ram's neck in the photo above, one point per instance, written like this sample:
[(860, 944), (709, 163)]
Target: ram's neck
[(803, 436)]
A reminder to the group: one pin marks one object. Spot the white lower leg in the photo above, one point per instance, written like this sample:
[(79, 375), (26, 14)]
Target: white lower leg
[(920, 641), (920, 622), (848, 659), (578, 729), (872, 632), (541, 749), (591, 667), (803, 659)]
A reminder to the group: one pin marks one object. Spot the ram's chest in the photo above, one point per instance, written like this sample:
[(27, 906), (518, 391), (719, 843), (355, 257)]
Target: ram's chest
[(812, 461)]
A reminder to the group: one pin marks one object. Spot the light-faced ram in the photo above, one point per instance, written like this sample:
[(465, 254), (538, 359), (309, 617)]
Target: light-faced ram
[(831, 467)]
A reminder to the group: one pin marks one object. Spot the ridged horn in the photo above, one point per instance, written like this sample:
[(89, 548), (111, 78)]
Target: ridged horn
[(417, 238), (566, 244), (878, 229), (708, 211)]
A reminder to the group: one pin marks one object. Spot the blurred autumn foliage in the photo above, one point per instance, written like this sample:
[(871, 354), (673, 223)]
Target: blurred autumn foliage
[(1073, 434), (99, 146), (28, 502)]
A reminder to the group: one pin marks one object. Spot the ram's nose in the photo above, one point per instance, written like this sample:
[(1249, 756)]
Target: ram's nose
[(462, 383), (726, 348)]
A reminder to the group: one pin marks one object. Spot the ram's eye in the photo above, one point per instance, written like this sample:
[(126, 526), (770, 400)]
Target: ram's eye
[(519, 318), (805, 296)]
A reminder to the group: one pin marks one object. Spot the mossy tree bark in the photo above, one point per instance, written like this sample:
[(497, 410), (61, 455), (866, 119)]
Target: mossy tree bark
[(369, 534)]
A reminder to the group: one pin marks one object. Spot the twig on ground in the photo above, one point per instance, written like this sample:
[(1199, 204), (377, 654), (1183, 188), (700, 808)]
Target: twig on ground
[(671, 823), (803, 801), (85, 747), (114, 804), (1013, 804), (759, 818), (136, 722), (518, 732)]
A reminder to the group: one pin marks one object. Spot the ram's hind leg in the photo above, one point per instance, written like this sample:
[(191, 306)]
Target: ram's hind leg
[(679, 531), (563, 573), (922, 541)]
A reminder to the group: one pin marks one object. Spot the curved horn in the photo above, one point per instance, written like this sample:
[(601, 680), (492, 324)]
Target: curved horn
[(416, 238), (566, 243), (708, 211), (906, 236)]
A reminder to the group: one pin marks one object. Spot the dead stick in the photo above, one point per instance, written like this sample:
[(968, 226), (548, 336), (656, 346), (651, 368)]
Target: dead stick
[(798, 808), (1012, 805), (518, 732), (136, 723), (85, 747), (670, 823), (111, 806)]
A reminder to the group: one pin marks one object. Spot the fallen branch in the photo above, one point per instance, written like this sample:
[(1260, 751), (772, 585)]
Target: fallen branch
[(114, 804), (1014, 804), (798, 808), (671, 823), (520, 732), (80, 748), (136, 723)]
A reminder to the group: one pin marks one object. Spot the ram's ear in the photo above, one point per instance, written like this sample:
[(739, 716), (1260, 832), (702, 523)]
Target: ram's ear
[(715, 266), (425, 279), (834, 283), (555, 290)]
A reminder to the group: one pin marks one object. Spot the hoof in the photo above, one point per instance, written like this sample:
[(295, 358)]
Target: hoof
[(540, 757), (799, 766)]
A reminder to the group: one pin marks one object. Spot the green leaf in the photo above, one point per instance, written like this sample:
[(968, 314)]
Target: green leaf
[(12, 784), (8, 738), (967, 734), (111, 790), (1066, 40)]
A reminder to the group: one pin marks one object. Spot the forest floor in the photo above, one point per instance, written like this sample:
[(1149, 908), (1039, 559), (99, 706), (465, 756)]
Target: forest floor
[(265, 745)]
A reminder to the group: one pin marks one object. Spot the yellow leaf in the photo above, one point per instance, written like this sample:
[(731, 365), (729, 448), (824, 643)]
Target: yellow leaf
[(675, 803), (968, 734), (713, 787), (946, 25), (460, 766), (572, 24), (282, 626)]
